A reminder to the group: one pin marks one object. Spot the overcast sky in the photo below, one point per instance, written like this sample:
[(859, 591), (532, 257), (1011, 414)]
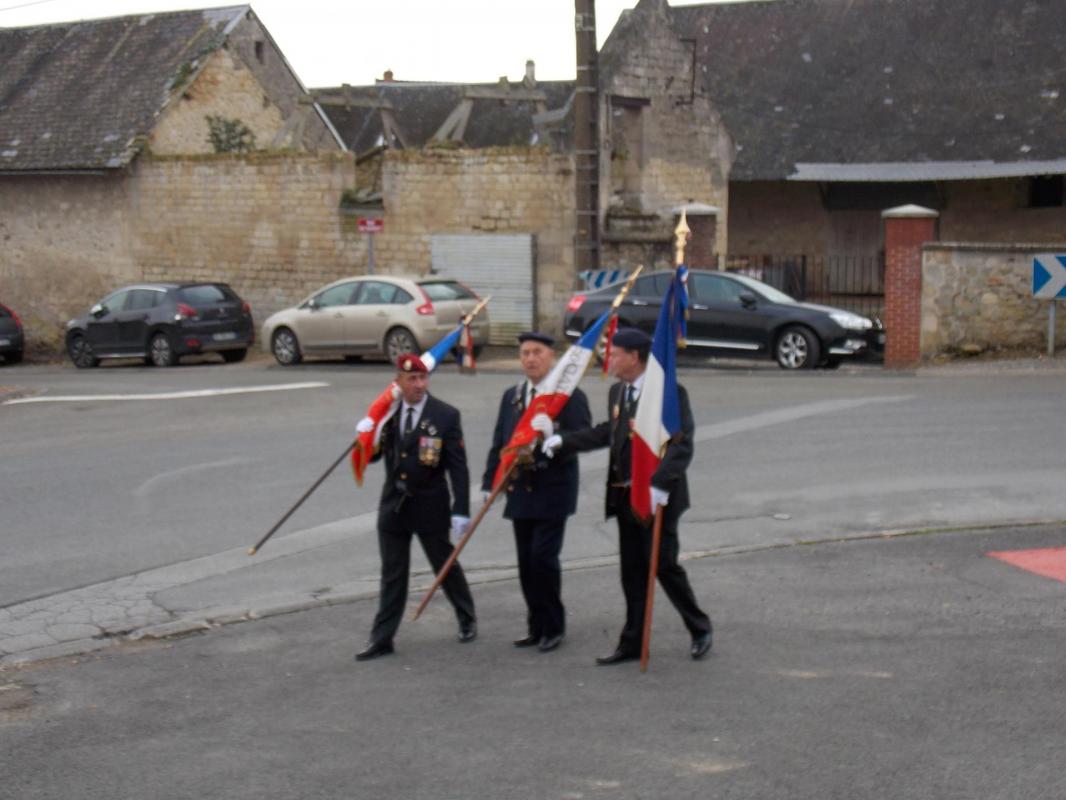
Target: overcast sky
[(329, 43)]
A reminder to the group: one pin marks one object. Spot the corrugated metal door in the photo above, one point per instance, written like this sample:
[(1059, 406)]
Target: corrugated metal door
[(498, 264)]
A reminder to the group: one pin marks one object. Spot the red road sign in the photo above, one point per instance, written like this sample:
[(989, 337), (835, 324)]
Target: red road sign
[(371, 225)]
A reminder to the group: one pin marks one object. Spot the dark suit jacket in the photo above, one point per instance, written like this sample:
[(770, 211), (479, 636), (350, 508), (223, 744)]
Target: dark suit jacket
[(547, 488), (415, 494), (614, 433)]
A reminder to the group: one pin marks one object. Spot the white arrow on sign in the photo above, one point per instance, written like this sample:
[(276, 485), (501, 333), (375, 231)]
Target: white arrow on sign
[(1049, 276)]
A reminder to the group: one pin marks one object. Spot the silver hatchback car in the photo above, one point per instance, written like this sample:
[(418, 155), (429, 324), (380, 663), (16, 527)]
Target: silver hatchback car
[(372, 315)]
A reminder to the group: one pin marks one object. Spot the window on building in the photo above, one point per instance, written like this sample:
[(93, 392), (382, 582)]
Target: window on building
[(1045, 191), (259, 52)]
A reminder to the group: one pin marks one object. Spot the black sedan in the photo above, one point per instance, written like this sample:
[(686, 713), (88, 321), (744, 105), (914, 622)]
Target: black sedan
[(160, 322), (10, 335), (736, 316)]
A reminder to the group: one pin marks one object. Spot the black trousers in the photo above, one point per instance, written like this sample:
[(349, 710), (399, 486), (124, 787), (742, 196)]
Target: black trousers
[(634, 546), (539, 542), (395, 548)]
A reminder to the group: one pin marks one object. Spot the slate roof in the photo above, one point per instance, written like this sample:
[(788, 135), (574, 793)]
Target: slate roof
[(78, 95), (865, 82), (421, 108)]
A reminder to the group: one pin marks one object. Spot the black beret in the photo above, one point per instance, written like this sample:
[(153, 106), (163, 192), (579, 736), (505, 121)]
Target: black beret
[(536, 336), (631, 339)]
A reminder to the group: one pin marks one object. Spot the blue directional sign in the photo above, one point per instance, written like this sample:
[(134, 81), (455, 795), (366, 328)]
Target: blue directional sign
[(1049, 276)]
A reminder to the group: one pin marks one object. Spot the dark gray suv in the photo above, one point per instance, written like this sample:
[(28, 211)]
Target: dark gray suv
[(160, 322)]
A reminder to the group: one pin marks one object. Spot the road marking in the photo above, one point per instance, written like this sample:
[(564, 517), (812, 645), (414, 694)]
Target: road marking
[(83, 398), (1048, 562), (150, 484)]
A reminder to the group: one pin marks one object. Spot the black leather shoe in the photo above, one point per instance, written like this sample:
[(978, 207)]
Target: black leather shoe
[(549, 643), (467, 631), (617, 657), (701, 645), (527, 641), (373, 650)]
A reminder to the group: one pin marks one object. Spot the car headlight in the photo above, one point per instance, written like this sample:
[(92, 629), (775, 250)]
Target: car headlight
[(851, 322)]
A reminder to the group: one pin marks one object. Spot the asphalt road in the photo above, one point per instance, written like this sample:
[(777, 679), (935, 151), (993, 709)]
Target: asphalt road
[(97, 489), (912, 667)]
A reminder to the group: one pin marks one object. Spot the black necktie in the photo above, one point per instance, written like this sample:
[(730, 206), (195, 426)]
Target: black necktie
[(532, 394), (409, 425), (630, 399)]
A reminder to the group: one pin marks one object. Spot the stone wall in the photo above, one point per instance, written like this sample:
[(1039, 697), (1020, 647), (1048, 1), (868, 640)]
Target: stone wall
[(267, 224), (681, 148), (64, 241), (226, 88), (270, 225), (491, 190), (978, 297)]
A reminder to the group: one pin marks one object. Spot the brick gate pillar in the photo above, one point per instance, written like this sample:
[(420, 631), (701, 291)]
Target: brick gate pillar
[(907, 228)]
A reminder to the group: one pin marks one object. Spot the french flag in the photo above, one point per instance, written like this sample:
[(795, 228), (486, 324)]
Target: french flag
[(386, 403), (658, 416), (557, 388)]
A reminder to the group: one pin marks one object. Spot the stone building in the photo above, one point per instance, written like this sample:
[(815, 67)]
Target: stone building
[(133, 148)]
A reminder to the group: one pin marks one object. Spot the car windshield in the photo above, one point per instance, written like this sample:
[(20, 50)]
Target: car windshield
[(449, 290), (765, 289)]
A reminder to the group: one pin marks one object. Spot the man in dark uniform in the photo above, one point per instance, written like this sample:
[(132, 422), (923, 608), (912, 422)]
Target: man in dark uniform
[(421, 442), (542, 494), (669, 488)]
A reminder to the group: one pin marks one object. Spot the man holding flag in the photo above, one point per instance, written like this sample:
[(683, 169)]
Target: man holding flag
[(542, 493), (644, 475), (421, 440)]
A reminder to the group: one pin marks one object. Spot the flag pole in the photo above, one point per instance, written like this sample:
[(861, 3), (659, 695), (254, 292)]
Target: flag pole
[(446, 568), (649, 600), (681, 233), (255, 548), (616, 304)]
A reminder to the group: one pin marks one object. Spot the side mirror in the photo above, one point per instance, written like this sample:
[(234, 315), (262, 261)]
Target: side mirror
[(748, 300), (312, 304), (98, 310)]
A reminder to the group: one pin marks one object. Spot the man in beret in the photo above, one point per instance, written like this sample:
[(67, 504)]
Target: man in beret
[(422, 442), (669, 488), (542, 494)]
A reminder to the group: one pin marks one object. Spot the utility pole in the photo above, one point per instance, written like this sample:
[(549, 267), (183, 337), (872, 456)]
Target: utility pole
[(586, 138)]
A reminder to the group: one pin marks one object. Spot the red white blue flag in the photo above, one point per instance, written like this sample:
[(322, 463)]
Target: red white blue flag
[(552, 394), (658, 416), (382, 409)]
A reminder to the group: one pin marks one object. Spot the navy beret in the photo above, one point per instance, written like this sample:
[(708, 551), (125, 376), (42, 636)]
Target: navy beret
[(536, 336), (631, 339)]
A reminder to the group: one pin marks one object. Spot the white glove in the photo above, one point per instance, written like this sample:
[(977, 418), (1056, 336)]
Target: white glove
[(543, 424), (659, 498), (365, 425), (485, 497), (551, 444), (459, 526)]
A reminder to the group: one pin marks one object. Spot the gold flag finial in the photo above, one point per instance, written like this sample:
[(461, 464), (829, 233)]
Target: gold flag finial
[(681, 233)]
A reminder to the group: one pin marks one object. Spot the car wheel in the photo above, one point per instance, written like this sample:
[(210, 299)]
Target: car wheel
[(161, 351), (285, 347), (81, 352), (15, 358), (397, 342), (233, 356), (797, 348)]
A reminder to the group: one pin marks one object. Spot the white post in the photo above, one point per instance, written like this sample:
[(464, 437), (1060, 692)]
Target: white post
[(370, 254), (1051, 330)]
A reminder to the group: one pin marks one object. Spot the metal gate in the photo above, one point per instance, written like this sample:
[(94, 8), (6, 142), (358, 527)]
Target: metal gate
[(501, 265), (855, 283)]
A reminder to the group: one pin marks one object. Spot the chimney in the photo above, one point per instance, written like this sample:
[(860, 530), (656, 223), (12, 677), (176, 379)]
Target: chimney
[(531, 76), (387, 77)]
